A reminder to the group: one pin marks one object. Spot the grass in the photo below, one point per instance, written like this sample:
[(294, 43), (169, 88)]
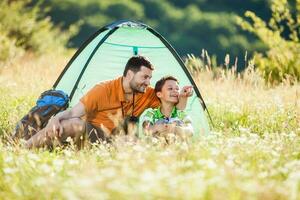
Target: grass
[(252, 153)]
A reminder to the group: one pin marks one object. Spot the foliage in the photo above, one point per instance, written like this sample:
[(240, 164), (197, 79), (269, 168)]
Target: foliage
[(11, 109), (189, 25), (282, 60), (24, 27)]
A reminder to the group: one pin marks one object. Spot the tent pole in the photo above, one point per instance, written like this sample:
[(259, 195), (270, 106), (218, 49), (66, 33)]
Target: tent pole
[(89, 59), (76, 54), (165, 42)]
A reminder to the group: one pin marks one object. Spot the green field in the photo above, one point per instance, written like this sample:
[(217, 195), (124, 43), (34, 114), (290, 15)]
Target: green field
[(253, 151)]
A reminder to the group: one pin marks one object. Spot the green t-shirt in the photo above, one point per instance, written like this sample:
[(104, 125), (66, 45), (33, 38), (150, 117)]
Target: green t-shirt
[(155, 116)]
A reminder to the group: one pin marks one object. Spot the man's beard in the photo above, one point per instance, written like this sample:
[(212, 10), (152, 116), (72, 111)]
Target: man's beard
[(136, 88)]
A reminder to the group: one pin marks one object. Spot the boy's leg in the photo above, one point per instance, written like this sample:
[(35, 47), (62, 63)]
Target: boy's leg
[(74, 128)]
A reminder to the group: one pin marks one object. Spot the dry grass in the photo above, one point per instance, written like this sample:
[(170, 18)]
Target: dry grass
[(32, 75), (252, 153)]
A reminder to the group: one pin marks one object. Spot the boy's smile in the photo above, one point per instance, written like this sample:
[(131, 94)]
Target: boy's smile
[(169, 92)]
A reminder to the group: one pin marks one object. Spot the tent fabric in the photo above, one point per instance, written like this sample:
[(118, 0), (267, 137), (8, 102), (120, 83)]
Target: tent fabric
[(104, 55)]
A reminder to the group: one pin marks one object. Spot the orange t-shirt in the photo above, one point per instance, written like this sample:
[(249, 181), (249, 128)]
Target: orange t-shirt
[(105, 102)]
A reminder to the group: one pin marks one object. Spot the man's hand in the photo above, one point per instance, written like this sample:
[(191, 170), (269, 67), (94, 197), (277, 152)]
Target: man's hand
[(186, 91), (54, 128)]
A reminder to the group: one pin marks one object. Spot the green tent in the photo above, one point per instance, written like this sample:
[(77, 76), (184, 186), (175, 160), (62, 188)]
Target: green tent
[(104, 55)]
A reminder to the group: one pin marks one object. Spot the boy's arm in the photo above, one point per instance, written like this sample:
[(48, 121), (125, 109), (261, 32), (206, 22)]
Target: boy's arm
[(186, 129), (150, 126), (156, 128), (185, 93)]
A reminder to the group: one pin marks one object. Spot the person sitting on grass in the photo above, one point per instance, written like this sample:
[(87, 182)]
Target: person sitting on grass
[(94, 115), (167, 118)]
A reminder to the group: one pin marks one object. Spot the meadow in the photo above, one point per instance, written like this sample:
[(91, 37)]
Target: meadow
[(253, 151)]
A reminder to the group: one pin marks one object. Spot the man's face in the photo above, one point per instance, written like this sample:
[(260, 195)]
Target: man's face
[(141, 80), (169, 92)]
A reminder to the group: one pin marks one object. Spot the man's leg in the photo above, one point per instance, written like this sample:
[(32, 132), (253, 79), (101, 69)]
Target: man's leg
[(74, 128)]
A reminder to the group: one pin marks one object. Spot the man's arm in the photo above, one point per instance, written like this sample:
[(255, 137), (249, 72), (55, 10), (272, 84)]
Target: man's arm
[(54, 127), (186, 91), (54, 123)]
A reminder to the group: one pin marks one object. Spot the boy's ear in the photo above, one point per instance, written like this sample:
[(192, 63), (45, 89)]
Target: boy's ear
[(158, 94)]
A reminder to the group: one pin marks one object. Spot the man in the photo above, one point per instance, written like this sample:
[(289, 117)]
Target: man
[(128, 95), (167, 118)]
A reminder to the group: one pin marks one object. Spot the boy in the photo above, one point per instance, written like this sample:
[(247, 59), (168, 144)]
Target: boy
[(167, 118)]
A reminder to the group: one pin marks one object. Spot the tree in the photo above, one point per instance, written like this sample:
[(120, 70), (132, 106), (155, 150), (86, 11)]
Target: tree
[(281, 34)]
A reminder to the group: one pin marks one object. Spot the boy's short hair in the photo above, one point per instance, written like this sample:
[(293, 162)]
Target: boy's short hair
[(135, 62), (160, 83)]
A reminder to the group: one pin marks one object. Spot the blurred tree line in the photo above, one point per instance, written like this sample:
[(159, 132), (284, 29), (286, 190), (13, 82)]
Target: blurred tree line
[(25, 27), (269, 32), (189, 25), (281, 34)]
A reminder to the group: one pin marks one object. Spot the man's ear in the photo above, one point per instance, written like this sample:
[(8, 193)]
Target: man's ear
[(159, 94), (129, 74)]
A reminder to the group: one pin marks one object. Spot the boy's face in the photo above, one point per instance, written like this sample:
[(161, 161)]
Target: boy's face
[(169, 92)]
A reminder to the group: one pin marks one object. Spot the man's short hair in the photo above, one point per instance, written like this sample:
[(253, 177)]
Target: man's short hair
[(135, 62), (160, 83)]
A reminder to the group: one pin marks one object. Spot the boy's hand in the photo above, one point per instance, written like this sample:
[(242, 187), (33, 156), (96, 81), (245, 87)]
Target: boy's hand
[(186, 91), (159, 128), (164, 128), (170, 128)]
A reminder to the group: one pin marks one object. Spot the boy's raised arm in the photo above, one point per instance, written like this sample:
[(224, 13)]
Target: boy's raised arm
[(185, 93)]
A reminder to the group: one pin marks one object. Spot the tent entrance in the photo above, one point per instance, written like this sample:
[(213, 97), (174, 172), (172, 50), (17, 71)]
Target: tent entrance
[(104, 55)]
